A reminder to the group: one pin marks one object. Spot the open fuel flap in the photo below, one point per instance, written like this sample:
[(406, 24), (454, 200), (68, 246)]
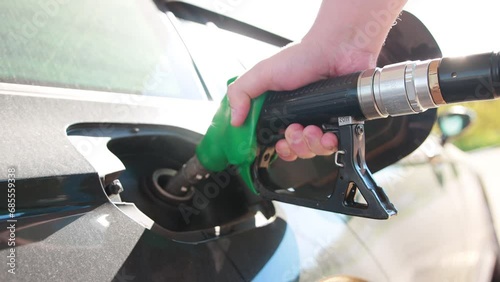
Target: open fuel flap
[(135, 161)]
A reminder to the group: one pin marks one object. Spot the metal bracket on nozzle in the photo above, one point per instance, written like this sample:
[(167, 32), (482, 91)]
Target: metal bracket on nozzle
[(353, 177)]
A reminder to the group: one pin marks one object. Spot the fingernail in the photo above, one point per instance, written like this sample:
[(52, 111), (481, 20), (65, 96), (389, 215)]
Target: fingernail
[(296, 137)]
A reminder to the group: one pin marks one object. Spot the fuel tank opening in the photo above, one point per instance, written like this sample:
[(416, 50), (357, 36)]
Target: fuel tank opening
[(143, 158), (160, 180)]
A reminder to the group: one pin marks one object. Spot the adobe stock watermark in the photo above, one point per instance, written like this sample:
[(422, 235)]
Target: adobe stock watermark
[(485, 90), (30, 28), (201, 198), (122, 105), (12, 221), (123, 276), (363, 36), (225, 6)]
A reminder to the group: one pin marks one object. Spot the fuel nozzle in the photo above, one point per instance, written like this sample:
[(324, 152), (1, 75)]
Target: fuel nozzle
[(343, 102), (183, 181), (222, 145), (470, 78)]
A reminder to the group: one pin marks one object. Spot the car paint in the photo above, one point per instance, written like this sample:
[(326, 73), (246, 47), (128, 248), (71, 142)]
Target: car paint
[(70, 242)]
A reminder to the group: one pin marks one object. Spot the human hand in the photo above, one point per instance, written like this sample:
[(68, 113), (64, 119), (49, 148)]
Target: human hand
[(291, 68), (331, 48)]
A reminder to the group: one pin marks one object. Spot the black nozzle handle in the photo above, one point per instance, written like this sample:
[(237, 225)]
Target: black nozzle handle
[(398, 89), (315, 103), (470, 78)]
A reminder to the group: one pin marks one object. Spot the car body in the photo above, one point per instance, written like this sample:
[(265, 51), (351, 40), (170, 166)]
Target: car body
[(72, 125)]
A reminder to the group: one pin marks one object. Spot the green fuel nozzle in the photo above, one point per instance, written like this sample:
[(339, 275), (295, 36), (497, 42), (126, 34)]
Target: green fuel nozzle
[(339, 105), (223, 145)]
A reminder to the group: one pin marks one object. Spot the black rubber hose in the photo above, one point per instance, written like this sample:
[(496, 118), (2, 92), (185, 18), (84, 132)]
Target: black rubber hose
[(471, 78)]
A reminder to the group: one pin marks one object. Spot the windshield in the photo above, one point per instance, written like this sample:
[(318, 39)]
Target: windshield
[(115, 45)]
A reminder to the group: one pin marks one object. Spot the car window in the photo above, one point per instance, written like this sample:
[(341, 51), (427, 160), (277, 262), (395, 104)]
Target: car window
[(115, 45), (290, 21)]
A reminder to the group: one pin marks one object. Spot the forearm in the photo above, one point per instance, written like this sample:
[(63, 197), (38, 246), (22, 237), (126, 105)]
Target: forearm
[(360, 24)]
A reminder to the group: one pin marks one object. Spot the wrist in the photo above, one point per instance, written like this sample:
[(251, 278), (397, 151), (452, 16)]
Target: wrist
[(340, 56), (350, 34)]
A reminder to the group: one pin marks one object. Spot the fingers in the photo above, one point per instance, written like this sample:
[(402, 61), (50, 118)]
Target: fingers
[(330, 142), (320, 143), (305, 143), (239, 102), (296, 140), (248, 86), (294, 66), (284, 152)]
